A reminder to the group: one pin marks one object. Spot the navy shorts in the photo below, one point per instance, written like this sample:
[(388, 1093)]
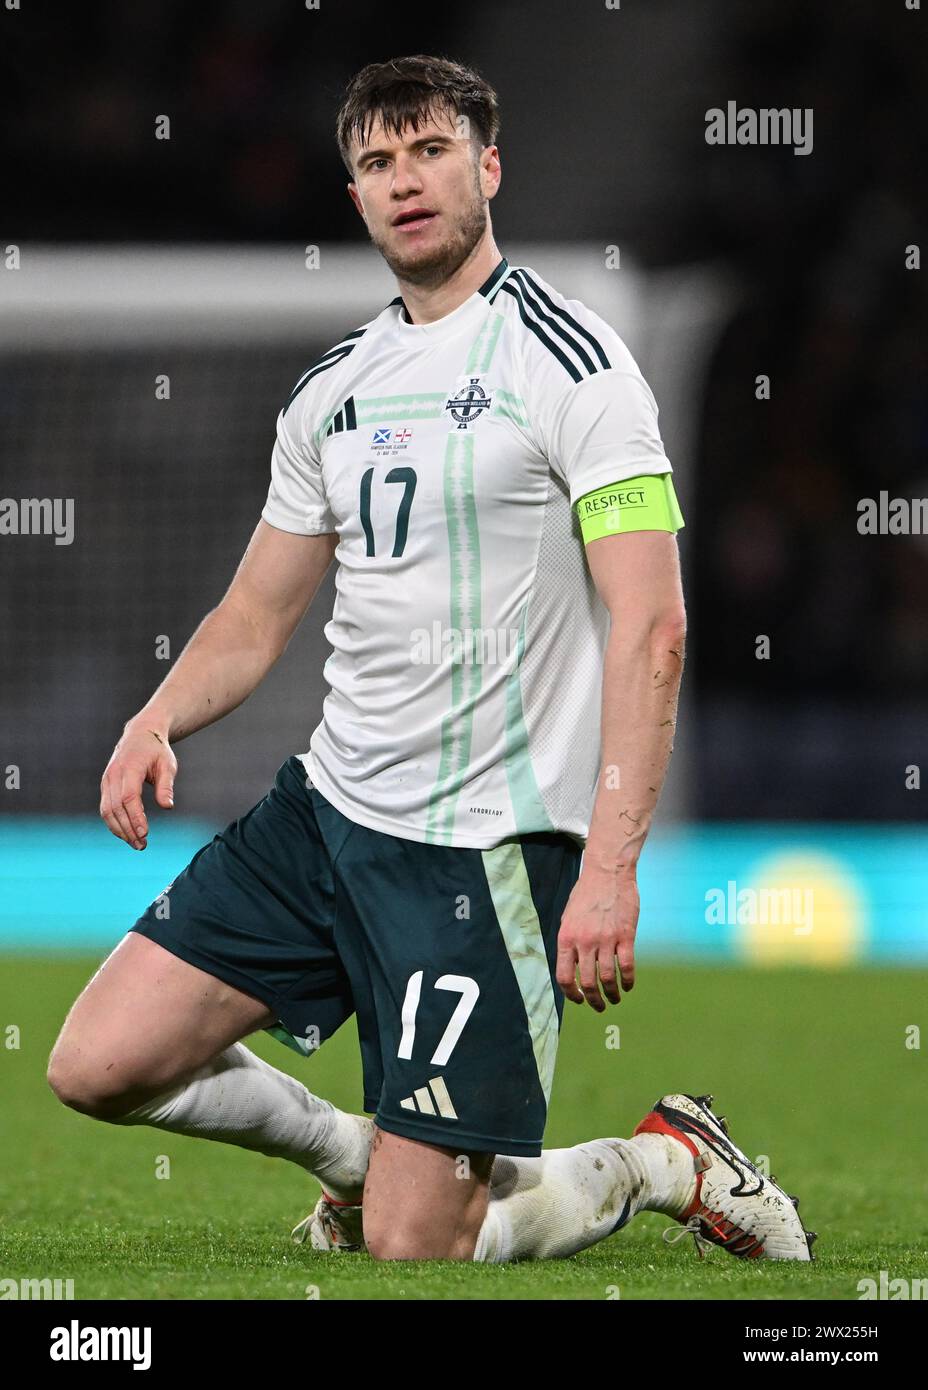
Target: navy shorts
[(446, 955)]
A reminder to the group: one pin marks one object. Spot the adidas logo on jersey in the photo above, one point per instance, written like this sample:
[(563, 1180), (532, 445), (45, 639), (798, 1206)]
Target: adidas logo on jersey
[(432, 1099)]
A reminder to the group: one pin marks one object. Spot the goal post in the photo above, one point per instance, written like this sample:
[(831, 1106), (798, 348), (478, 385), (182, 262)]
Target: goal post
[(144, 381)]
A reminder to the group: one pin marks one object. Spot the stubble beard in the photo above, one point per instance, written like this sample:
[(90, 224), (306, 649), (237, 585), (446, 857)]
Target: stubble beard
[(439, 264)]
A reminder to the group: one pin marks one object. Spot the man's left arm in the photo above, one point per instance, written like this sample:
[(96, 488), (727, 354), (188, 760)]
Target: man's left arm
[(637, 576)]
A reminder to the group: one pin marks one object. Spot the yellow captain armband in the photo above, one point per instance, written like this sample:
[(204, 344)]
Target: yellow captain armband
[(647, 503)]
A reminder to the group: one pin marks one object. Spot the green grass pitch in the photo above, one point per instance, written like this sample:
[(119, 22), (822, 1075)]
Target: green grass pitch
[(812, 1069)]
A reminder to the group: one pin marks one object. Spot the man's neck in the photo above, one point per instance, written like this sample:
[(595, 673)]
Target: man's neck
[(426, 304)]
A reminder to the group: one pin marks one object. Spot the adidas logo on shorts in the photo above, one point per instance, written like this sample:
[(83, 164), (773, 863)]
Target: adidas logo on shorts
[(432, 1099)]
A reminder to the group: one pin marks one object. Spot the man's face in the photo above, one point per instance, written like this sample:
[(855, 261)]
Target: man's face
[(433, 170)]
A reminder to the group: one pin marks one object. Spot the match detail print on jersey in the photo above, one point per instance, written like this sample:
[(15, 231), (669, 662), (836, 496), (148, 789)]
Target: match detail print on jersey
[(467, 634)]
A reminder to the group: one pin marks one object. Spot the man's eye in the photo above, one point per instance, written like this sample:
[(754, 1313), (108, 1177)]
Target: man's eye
[(433, 147)]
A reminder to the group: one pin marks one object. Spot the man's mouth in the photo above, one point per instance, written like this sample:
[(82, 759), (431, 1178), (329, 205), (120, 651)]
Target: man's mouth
[(411, 219)]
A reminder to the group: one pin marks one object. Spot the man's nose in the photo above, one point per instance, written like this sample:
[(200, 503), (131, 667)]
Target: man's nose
[(405, 176)]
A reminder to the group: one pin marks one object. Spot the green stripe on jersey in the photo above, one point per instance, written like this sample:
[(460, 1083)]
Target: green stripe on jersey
[(430, 406), (510, 407), (465, 601), (466, 678), (481, 354), (376, 409), (511, 892), (426, 406)]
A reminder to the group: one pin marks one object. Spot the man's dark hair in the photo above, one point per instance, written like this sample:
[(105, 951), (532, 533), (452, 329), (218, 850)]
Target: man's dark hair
[(410, 91)]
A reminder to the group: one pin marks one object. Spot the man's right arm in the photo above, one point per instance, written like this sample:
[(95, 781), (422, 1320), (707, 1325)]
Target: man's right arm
[(225, 660)]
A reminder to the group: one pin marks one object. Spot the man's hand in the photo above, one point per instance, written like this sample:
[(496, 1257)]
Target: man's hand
[(143, 754), (597, 929)]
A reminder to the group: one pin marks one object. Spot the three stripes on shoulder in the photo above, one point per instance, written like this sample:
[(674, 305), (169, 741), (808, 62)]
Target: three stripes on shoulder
[(579, 352), (554, 326)]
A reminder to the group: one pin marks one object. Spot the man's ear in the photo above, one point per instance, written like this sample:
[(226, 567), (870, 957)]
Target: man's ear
[(356, 198), (490, 171)]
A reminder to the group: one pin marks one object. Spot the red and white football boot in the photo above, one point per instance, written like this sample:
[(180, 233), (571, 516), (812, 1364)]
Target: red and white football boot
[(733, 1205)]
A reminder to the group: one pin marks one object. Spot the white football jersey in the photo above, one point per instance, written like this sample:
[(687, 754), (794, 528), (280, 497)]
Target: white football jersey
[(468, 636)]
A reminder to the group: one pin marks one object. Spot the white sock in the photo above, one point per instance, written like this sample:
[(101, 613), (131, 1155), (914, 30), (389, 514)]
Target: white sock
[(568, 1199), (540, 1208), (239, 1099)]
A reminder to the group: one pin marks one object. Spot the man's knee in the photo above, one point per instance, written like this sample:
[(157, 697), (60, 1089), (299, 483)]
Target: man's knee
[(423, 1202), (412, 1238), (106, 1093)]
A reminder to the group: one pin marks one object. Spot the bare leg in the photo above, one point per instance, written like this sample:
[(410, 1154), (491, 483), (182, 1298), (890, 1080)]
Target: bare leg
[(153, 1041), (426, 1202), (423, 1202), (146, 1021)]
